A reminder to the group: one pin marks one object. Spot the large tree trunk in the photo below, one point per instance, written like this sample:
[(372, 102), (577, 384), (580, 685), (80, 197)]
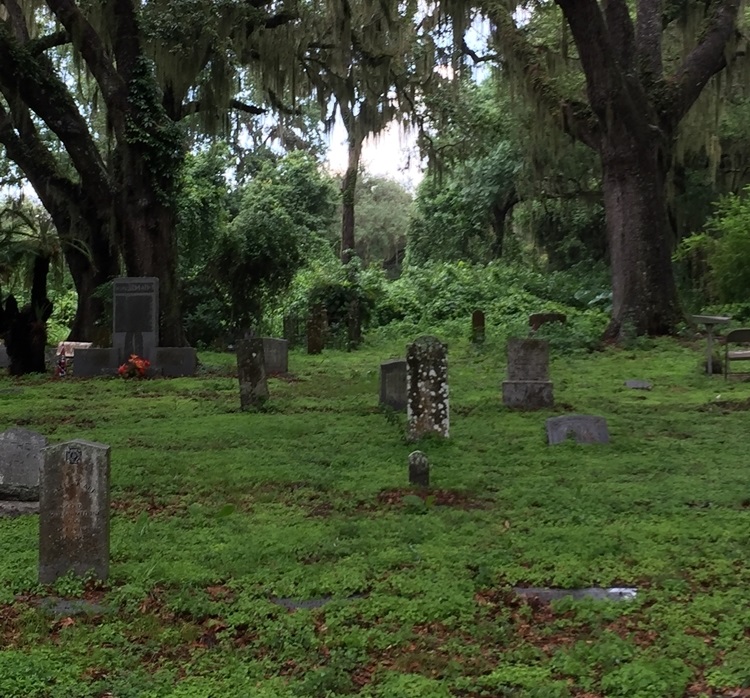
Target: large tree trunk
[(348, 190), (644, 297)]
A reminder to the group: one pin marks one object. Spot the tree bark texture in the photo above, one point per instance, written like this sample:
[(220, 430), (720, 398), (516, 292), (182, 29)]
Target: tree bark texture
[(348, 191)]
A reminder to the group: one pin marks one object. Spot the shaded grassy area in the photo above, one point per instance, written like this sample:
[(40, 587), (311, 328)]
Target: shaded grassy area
[(219, 513)]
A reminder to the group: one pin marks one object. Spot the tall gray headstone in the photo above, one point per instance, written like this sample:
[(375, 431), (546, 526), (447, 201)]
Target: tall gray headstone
[(251, 371), (393, 384), (276, 353), (135, 317), (527, 385), (74, 511), (21, 458), (427, 407), (584, 428)]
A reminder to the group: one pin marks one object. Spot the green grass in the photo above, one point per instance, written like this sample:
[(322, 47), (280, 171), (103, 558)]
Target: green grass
[(216, 512)]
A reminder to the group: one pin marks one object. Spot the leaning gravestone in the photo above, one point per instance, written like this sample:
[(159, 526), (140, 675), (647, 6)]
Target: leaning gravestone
[(477, 327), (136, 317), (419, 469), (393, 384), (251, 371), (427, 405), (584, 428), (74, 511), (528, 386), (21, 461)]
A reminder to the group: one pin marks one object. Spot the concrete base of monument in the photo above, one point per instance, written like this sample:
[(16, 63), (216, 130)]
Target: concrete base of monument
[(170, 362)]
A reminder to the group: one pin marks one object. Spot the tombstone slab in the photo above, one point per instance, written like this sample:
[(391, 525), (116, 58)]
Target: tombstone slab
[(91, 363), (316, 330), (427, 405), (251, 371), (276, 355), (637, 384), (135, 327), (419, 469), (74, 511), (21, 458), (528, 395), (477, 327), (393, 384), (585, 429), (528, 359), (176, 362)]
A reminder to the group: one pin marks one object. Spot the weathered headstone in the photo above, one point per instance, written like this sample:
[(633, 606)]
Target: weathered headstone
[(316, 330), (93, 362), (584, 428), (136, 317), (427, 405), (477, 327), (536, 320), (74, 511), (393, 384), (354, 324), (419, 469), (251, 371), (175, 362), (638, 384), (21, 458), (276, 353), (528, 386)]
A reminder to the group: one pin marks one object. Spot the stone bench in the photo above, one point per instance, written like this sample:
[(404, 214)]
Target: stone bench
[(740, 336)]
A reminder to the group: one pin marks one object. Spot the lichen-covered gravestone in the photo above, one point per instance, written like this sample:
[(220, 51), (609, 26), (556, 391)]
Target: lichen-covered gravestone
[(427, 388), (419, 469), (477, 327), (393, 384), (21, 461), (74, 511), (528, 386), (251, 370)]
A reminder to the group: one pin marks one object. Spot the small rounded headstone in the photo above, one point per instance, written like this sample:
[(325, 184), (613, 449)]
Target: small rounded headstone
[(419, 469)]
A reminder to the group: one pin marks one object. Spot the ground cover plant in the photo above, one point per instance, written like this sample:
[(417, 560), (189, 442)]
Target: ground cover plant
[(281, 553)]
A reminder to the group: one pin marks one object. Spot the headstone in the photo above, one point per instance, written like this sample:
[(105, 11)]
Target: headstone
[(136, 317), (251, 371), (536, 320), (276, 353), (74, 511), (477, 327), (68, 349), (4, 358), (427, 405), (528, 386), (175, 362), (354, 324), (419, 469), (90, 363), (586, 429), (637, 384), (21, 458), (316, 330), (393, 384)]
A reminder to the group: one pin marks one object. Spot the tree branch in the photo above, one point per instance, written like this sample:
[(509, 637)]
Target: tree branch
[(704, 61), (621, 32), (198, 105), (648, 32), (90, 45), (43, 43)]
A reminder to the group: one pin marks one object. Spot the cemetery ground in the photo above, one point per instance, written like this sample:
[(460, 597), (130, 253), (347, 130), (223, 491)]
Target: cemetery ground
[(281, 553)]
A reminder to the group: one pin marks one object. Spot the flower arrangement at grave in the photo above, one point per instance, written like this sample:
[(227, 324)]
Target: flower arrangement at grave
[(135, 367)]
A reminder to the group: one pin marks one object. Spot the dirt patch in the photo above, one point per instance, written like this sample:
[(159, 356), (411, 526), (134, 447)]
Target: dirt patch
[(726, 406), (10, 631), (431, 497), (132, 508)]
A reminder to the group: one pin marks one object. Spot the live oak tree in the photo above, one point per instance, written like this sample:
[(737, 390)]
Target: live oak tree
[(631, 112), (93, 102)]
